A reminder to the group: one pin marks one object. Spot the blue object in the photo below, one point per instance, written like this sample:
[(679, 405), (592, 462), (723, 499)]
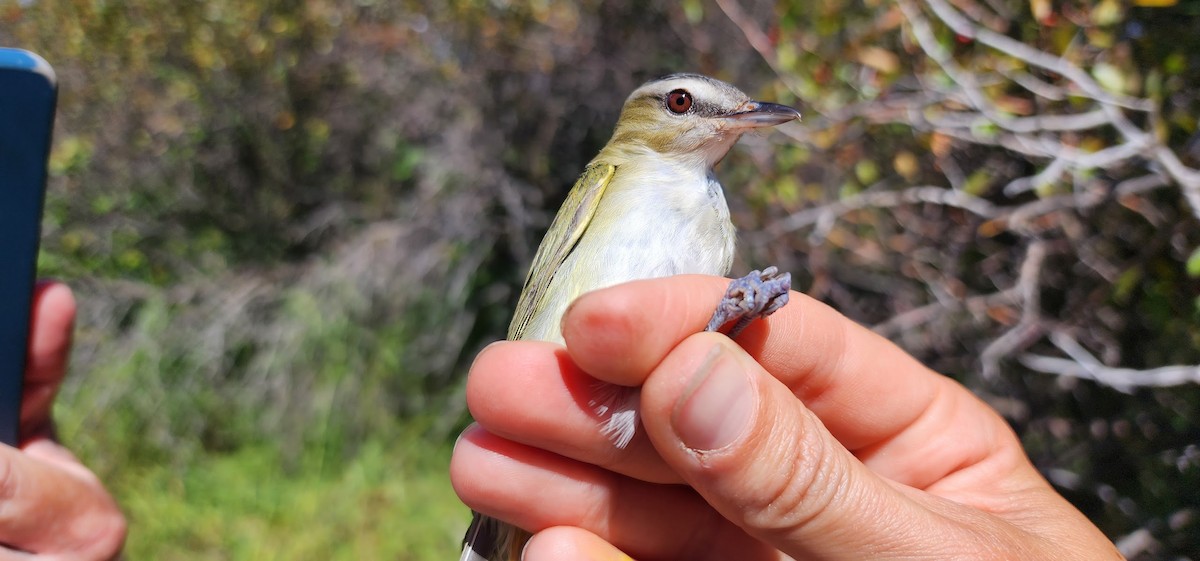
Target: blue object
[(28, 94)]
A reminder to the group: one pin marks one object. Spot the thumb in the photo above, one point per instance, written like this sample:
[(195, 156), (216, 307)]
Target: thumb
[(764, 461)]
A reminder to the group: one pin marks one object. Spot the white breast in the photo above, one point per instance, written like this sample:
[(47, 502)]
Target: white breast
[(672, 220)]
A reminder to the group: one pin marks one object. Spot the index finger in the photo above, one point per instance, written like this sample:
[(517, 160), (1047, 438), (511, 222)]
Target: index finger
[(872, 396)]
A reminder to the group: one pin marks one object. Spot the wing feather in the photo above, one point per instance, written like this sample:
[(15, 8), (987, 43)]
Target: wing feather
[(568, 226)]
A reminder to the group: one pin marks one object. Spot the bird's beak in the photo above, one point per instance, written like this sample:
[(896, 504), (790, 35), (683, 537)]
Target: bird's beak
[(754, 114)]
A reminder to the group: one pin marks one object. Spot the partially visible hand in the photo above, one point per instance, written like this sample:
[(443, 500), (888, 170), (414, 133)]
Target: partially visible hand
[(51, 506), (813, 439)]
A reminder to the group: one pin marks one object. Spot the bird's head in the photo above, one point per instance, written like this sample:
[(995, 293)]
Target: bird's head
[(690, 117)]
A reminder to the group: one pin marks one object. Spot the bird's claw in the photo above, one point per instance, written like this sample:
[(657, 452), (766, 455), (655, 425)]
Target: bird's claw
[(756, 295)]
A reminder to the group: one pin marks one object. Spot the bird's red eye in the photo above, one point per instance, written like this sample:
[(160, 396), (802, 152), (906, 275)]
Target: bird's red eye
[(679, 101)]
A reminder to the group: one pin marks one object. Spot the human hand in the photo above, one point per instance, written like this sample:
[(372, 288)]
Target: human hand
[(51, 506), (814, 439)]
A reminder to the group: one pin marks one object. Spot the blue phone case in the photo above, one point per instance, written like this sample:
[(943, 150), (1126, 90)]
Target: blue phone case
[(28, 93)]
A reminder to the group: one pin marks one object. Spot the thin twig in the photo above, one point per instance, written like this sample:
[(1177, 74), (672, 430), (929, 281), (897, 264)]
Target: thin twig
[(759, 42), (1082, 364), (882, 199), (1029, 327)]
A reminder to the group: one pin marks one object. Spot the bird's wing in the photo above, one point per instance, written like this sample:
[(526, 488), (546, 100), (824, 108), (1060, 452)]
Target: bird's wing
[(568, 226)]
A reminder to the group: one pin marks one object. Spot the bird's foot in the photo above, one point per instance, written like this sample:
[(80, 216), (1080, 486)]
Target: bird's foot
[(756, 295)]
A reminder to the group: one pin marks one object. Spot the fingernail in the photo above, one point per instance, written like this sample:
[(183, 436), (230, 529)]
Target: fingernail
[(484, 350), (469, 428), (524, 549), (494, 344), (717, 406)]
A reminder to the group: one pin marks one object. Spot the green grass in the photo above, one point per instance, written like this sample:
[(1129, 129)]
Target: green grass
[(392, 500)]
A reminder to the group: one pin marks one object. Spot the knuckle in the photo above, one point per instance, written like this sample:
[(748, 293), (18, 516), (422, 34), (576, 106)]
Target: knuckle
[(807, 481), (106, 530)]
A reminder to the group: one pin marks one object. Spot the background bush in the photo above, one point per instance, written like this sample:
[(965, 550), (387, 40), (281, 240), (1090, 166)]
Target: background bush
[(291, 225)]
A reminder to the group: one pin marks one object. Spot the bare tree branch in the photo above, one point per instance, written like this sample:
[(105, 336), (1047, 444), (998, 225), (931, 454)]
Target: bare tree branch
[(1029, 328), (1048, 136), (1137, 142), (1030, 55), (759, 42), (1082, 364), (824, 216)]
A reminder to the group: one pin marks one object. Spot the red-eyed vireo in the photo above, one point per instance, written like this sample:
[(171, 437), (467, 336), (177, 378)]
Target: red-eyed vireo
[(647, 206)]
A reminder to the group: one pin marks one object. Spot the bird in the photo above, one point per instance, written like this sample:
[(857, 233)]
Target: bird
[(648, 205)]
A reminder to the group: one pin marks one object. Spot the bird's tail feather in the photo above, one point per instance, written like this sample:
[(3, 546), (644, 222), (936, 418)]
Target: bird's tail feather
[(488, 539)]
